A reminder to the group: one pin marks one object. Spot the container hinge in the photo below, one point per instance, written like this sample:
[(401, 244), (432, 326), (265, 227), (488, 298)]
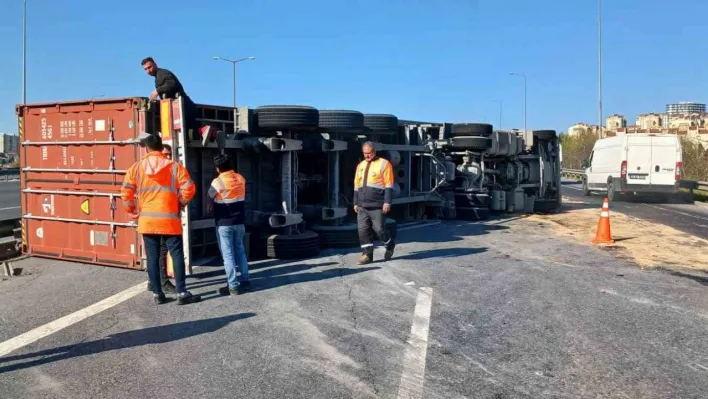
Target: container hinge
[(114, 235), (111, 130), (112, 160), (113, 206)]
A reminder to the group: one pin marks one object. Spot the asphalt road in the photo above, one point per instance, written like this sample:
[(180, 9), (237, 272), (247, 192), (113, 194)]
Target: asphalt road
[(516, 313), (689, 218), (9, 199)]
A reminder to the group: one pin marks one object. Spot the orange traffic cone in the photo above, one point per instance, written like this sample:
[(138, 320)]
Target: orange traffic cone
[(603, 235)]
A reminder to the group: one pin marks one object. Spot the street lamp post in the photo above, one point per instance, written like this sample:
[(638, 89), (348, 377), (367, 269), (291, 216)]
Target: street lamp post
[(599, 69), (524, 76), (234, 62), (24, 52), (501, 105)]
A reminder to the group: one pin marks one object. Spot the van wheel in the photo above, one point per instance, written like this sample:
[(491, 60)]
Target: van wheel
[(586, 190), (612, 195)]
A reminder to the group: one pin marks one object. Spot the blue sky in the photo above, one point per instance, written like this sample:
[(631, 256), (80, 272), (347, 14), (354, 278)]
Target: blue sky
[(443, 62)]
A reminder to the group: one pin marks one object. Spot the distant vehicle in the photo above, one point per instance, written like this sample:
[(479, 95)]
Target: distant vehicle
[(634, 164)]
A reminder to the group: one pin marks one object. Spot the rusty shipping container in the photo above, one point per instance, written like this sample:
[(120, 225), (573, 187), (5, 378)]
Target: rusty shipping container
[(74, 156)]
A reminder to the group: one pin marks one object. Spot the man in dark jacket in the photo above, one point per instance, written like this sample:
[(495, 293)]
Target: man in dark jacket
[(168, 86)]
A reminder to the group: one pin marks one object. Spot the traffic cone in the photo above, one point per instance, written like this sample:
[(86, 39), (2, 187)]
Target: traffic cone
[(603, 235)]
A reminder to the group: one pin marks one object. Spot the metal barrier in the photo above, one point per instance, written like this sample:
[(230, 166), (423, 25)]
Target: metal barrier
[(9, 174), (576, 174)]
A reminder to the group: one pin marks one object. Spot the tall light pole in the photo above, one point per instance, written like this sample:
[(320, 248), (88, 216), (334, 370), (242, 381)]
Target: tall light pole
[(24, 52), (599, 69), (234, 62), (524, 76), (501, 105)]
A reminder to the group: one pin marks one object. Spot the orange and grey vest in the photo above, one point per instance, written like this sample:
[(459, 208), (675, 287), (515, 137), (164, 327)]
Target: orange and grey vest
[(373, 183), (157, 188), (228, 191)]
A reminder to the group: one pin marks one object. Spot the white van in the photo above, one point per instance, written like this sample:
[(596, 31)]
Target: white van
[(634, 164)]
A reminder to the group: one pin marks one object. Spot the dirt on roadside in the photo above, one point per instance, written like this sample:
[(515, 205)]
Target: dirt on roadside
[(642, 242)]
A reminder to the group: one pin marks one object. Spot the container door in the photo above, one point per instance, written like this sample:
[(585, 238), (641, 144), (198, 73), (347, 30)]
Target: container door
[(664, 155), (74, 159), (639, 163), (172, 123)]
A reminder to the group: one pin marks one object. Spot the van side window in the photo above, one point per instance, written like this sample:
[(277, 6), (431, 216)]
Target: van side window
[(590, 159)]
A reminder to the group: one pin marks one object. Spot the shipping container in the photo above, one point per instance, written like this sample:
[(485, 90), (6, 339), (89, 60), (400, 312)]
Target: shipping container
[(74, 156)]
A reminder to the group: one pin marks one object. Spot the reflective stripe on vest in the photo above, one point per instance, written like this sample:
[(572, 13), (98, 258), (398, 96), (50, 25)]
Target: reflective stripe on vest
[(222, 194), (367, 183), (172, 188)]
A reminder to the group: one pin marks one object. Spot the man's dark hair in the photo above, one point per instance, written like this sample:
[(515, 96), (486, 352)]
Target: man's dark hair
[(146, 60), (223, 162), (153, 142), (167, 146)]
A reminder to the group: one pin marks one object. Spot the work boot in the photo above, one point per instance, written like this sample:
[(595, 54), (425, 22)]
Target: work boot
[(168, 287), (389, 253), (365, 259), (187, 297), (245, 285), (159, 299), (227, 291)]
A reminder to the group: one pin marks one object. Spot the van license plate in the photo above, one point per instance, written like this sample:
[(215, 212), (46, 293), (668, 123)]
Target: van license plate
[(635, 176)]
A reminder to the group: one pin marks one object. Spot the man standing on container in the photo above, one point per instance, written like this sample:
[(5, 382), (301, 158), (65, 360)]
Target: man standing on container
[(168, 86), (162, 187), (228, 196), (373, 191)]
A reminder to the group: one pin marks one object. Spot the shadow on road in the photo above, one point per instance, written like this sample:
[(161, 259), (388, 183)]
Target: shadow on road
[(127, 339), (699, 279), (441, 253), (274, 277)]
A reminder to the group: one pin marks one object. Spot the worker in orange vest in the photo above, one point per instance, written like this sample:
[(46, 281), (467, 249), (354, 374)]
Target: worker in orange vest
[(162, 188), (228, 196), (167, 285), (373, 192)]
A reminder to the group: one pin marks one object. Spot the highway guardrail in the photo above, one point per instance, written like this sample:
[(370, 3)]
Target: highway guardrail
[(9, 174), (576, 174)]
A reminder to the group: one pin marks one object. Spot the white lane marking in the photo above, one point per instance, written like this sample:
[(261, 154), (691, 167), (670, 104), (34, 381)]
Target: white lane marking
[(9, 207), (678, 212), (413, 376), (417, 226), (38, 333)]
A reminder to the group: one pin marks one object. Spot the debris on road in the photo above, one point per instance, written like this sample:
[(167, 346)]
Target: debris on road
[(645, 243)]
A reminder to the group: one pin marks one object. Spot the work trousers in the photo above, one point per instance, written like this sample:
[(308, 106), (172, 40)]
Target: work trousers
[(152, 251), (372, 222), (230, 240)]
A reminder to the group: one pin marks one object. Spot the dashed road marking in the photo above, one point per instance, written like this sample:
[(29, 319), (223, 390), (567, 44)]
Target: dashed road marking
[(9, 207), (413, 376), (38, 333)]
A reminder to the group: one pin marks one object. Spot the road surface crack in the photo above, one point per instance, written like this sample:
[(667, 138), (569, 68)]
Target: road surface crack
[(342, 261)]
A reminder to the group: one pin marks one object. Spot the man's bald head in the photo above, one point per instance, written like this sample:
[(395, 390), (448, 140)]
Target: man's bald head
[(369, 150)]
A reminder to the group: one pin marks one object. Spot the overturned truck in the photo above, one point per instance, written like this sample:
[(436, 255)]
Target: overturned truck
[(298, 163)]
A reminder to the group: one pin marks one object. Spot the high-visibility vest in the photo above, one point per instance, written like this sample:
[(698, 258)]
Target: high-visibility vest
[(373, 183), (157, 188), (228, 191)]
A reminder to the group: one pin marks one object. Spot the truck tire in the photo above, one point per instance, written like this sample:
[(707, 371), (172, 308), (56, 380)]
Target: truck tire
[(296, 246), (381, 123), (341, 121), (472, 214), (471, 129), (544, 134), (471, 143), (612, 194), (346, 235), (287, 117)]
